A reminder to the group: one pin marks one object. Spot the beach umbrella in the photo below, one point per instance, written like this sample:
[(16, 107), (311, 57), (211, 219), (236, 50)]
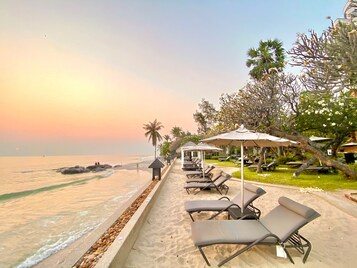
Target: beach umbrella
[(202, 148), (244, 137), (320, 139)]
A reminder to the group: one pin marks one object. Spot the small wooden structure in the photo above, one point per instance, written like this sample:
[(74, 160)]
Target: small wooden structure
[(156, 166)]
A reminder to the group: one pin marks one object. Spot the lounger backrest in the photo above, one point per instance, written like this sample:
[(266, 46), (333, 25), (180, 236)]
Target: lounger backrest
[(216, 176), (251, 192), (209, 169), (287, 218), (271, 164), (224, 177)]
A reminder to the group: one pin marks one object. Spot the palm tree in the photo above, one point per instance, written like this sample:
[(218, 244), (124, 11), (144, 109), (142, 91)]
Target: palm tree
[(166, 137), (267, 58), (176, 132), (152, 131)]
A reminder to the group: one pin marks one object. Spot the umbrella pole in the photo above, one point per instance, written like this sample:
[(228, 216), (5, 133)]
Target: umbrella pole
[(203, 164), (242, 176), (182, 157)]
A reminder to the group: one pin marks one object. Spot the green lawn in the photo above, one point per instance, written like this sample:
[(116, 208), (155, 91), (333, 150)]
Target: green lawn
[(284, 175)]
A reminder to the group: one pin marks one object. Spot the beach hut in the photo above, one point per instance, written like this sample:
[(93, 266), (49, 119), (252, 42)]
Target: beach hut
[(156, 166)]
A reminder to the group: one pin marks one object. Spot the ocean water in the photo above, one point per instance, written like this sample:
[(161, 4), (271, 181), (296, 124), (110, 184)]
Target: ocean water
[(43, 211)]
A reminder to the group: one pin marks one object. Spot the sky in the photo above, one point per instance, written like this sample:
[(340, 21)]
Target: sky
[(82, 76)]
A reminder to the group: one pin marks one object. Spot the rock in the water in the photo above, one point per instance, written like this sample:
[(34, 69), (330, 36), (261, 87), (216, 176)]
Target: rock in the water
[(99, 167), (74, 170), (79, 169)]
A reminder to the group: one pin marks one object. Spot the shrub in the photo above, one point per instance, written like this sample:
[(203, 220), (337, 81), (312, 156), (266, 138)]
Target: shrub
[(284, 159)]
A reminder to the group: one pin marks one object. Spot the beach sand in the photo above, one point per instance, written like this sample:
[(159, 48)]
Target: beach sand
[(165, 238)]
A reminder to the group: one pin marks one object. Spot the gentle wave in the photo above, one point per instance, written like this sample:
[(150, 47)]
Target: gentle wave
[(48, 250), (15, 195)]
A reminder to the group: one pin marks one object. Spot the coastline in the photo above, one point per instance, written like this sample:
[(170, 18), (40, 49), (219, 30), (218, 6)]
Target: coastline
[(58, 210), (70, 255)]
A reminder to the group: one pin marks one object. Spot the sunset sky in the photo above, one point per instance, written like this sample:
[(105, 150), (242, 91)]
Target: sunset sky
[(82, 77)]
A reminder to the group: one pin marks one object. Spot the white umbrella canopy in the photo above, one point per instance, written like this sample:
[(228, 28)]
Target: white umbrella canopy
[(248, 138), (244, 137), (319, 139), (202, 147)]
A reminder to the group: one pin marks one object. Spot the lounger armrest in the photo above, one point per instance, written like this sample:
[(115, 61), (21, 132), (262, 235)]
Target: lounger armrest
[(224, 197), (223, 210)]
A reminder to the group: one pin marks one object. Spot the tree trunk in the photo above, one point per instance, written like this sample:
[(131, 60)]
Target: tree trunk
[(310, 147), (261, 156), (304, 166)]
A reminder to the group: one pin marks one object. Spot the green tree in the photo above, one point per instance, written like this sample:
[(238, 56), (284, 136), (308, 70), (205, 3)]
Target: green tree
[(152, 131), (165, 148), (332, 115), (177, 132), (167, 137), (268, 58), (329, 60), (194, 138), (205, 117)]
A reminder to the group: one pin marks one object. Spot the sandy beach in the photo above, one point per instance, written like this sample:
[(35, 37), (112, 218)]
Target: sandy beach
[(165, 238)]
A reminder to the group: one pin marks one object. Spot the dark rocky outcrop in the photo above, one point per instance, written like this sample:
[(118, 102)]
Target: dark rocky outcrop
[(73, 170), (99, 167), (79, 169)]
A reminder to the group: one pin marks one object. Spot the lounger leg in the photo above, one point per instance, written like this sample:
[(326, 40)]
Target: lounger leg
[(245, 249), (191, 216), (287, 253), (196, 191), (236, 254), (296, 243), (204, 256), (308, 244)]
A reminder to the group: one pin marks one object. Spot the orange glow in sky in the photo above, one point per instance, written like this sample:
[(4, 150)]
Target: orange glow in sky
[(53, 93), (78, 76)]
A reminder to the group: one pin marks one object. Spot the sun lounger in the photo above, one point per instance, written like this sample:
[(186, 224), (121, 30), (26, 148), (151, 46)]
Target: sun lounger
[(267, 167), (219, 185), (224, 204), (224, 158), (207, 171), (279, 227), (319, 169), (192, 165), (205, 179)]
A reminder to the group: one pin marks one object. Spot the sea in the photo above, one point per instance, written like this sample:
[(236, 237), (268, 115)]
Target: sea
[(43, 211)]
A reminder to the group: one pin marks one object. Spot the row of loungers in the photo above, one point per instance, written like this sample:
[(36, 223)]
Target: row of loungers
[(192, 164), (217, 182), (279, 227)]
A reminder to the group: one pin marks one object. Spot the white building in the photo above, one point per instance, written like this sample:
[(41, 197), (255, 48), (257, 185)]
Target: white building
[(350, 10)]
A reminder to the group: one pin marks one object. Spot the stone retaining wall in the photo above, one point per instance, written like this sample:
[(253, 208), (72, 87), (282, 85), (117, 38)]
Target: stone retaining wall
[(117, 253)]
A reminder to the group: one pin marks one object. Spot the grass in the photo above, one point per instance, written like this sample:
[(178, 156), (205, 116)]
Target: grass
[(283, 175)]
